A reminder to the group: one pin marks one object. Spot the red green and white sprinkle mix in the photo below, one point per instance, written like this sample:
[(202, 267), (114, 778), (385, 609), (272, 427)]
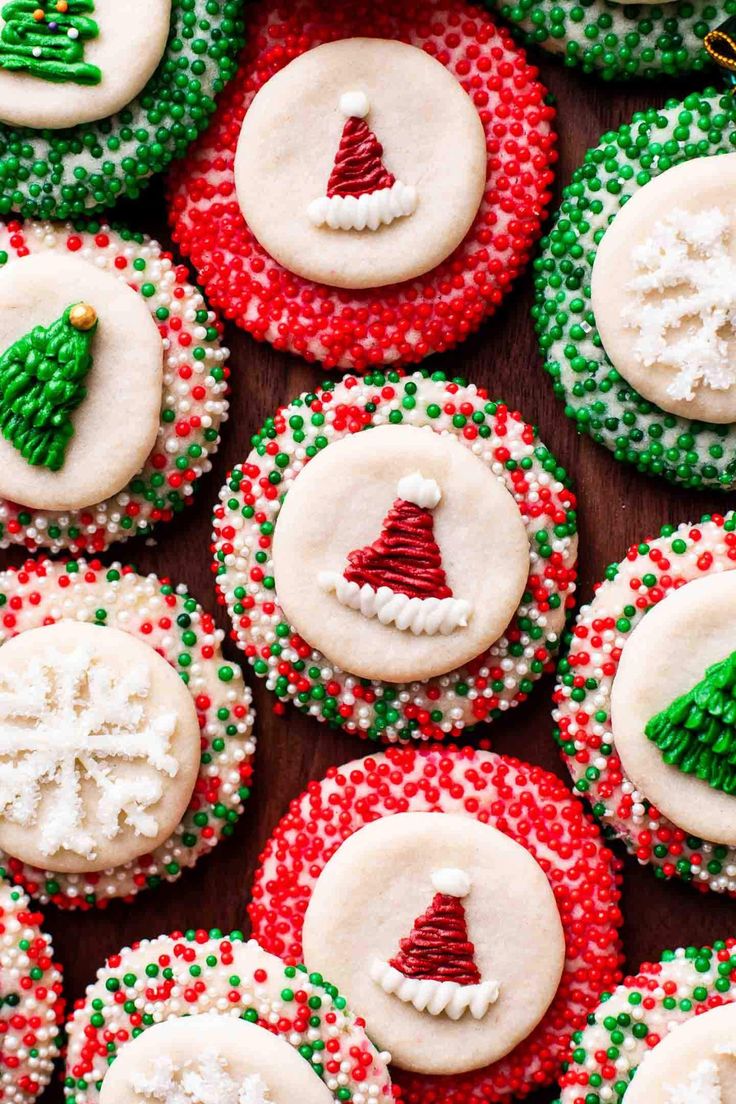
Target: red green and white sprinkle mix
[(528, 804), (193, 399), (639, 1013), (244, 523), (31, 1004), (596, 397), (199, 971), (408, 321), (165, 617), (650, 571)]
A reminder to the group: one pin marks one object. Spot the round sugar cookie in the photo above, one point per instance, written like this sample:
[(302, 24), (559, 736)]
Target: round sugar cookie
[(676, 737), (359, 534), (114, 427), (602, 402), (411, 566), (436, 959), (361, 163), (266, 276), (130, 767), (73, 61), (221, 1019), (497, 823), (670, 1025), (31, 1001), (155, 391), (97, 96)]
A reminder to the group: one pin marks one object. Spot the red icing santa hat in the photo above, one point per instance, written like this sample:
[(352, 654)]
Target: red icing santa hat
[(361, 192)]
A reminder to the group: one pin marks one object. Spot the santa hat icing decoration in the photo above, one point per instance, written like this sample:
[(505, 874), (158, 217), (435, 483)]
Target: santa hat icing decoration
[(361, 193), (399, 578), (435, 968)]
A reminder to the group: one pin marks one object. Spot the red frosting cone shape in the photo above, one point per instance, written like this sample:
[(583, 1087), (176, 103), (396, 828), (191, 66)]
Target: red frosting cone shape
[(438, 948), (358, 166)]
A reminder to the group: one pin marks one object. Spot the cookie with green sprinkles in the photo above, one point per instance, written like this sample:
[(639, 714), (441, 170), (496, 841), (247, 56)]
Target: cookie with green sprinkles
[(113, 384), (653, 383), (402, 583), (664, 1036), (125, 737), (96, 97), (644, 703), (31, 1002), (200, 1015)]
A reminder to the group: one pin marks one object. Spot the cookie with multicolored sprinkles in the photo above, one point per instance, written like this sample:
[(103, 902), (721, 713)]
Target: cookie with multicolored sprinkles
[(31, 1002), (97, 97), (649, 153), (403, 584), (125, 737), (105, 451), (620, 39), (396, 250), (664, 1035), (222, 1019), (652, 748), (408, 872)]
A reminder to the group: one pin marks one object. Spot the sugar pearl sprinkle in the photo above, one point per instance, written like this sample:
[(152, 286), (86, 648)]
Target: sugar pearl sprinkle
[(194, 400), (212, 972), (638, 1014), (67, 173), (31, 1004), (164, 616), (617, 41), (408, 321), (528, 804), (246, 517), (650, 571), (596, 397)]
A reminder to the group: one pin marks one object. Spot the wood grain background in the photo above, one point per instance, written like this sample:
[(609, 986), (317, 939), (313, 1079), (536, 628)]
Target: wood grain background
[(617, 507)]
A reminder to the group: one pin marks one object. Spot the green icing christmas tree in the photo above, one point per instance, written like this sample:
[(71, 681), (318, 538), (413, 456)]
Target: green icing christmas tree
[(42, 383), (697, 732), (46, 39)]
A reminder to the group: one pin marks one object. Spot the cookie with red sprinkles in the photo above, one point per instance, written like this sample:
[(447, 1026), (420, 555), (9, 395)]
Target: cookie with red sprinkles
[(31, 1003), (486, 567), (299, 302), (125, 737), (208, 1016), (644, 708), (442, 904), (135, 432), (664, 1035)]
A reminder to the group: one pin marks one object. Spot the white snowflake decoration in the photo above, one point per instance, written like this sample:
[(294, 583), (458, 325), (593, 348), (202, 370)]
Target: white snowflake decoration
[(204, 1080), (71, 718), (703, 1086), (685, 292)]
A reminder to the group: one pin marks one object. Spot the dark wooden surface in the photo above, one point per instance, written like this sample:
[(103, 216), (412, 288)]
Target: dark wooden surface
[(617, 507)]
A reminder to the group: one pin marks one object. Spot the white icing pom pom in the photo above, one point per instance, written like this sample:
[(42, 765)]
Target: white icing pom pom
[(355, 103), (422, 492), (452, 882)]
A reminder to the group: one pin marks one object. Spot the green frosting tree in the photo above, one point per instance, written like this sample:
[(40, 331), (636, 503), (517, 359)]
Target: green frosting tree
[(46, 39), (697, 732), (42, 383)]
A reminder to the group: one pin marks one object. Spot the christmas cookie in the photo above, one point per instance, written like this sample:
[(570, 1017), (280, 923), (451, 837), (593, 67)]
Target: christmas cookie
[(644, 702), (125, 740), (31, 1004), (634, 293), (665, 1036), (407, 581), (620, 38), (112, 386), (428, 881), (193, 1017), (97, 96), (373, 181)]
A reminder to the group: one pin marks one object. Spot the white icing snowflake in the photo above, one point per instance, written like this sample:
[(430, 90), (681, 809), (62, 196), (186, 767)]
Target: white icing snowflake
[(204, 1080), (685, 292), (703, 1086), (69, 720)]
